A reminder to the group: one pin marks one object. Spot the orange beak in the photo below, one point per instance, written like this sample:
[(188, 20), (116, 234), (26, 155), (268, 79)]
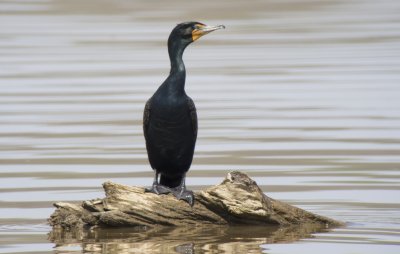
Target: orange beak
[(203, 30)]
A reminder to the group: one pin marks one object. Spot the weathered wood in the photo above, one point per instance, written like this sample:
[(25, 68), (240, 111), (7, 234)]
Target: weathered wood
[(237, 200)]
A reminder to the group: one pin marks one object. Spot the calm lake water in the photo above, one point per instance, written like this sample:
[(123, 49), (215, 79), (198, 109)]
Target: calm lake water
[(302, 95)]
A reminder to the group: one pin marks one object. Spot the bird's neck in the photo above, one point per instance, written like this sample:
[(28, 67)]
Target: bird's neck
[(175, 56), (177, 74)]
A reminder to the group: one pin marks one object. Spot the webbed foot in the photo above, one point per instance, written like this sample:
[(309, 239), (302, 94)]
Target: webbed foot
[(182, 193), (159, 189)]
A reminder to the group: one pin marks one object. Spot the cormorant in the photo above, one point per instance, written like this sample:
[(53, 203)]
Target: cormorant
[(170, 119)]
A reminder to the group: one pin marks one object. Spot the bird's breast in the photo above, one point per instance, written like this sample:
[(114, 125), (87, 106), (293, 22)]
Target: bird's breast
[(170, 113)]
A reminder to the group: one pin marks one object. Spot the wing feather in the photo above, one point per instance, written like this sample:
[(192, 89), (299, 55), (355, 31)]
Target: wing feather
[(146, 118), (193, 116)]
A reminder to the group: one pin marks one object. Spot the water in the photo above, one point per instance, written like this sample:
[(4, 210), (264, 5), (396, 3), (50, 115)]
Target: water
[(301, 95)]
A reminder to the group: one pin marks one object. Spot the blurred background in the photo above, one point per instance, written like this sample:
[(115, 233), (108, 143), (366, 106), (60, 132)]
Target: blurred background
[(301, 95)]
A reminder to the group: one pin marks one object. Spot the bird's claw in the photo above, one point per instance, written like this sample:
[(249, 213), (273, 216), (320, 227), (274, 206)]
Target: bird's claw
[(186, 195), (180, 192)]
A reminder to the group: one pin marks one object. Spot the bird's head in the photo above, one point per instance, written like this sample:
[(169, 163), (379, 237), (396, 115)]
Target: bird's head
[(188, 32)]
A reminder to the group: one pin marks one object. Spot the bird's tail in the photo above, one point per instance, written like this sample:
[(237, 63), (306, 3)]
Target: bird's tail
[(170, 181)]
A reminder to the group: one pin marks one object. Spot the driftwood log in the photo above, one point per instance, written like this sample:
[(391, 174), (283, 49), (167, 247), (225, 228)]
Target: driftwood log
[(236, 201)]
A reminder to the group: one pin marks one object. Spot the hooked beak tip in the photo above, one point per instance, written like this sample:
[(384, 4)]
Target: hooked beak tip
[(212, 28)]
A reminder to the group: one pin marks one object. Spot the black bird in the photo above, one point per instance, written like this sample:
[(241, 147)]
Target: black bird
[(170, 119)]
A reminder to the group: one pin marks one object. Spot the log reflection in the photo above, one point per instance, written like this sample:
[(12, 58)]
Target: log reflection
[(210, 239)]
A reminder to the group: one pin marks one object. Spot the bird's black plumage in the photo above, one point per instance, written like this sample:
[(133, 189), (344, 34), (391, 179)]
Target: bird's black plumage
[(170, 118)]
